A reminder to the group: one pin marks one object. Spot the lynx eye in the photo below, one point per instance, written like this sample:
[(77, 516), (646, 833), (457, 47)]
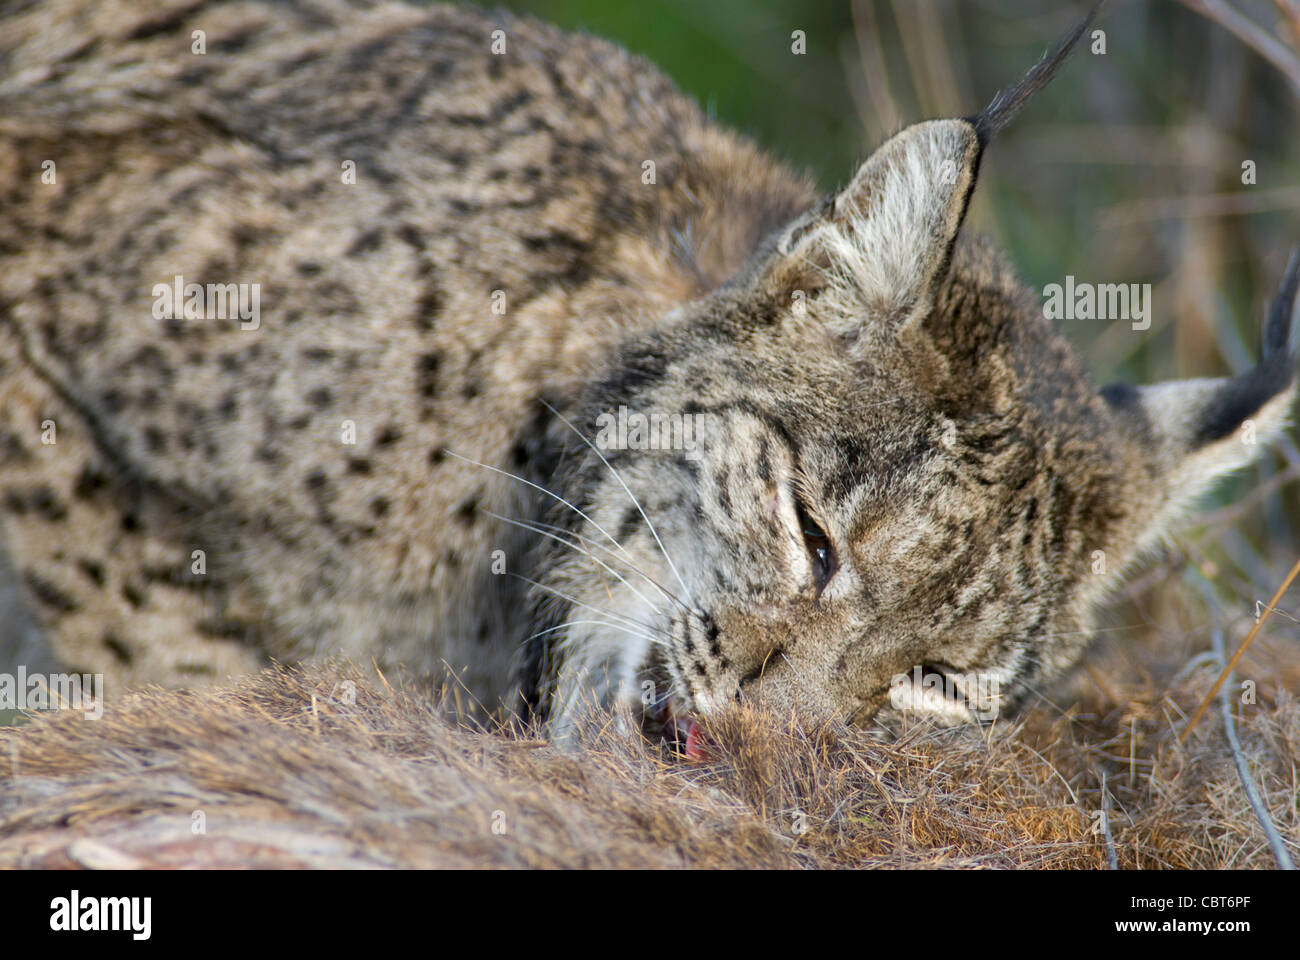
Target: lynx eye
[(820, 549)]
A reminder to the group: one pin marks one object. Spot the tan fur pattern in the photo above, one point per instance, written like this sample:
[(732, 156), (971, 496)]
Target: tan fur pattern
[(900, 465), (522, 175)]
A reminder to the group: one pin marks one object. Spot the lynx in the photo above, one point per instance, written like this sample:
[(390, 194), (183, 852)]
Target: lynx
[(317, 340)]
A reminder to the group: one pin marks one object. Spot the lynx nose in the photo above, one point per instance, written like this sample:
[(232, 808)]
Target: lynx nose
[(774, 684), (736, 655)]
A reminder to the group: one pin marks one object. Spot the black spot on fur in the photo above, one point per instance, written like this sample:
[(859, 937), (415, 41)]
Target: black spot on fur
[(41, 500), (48, 594), (237, 41), (427, 308), (48, 504), (367, 242), (466, 510), (118, 647), (411, 236), (12, 448), (243, 235), (711, 633), (133, 594), (629, 524), (89, 483), (92, 569), (155, 439), (426, 373)]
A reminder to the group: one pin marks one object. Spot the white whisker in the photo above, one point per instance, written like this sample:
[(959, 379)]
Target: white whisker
[(586, 553), (539, 487), (537, 527), (603, 623), (653, 532), (587, 606)]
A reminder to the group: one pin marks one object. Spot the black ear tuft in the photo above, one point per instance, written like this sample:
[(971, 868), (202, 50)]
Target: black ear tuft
[(1245, 393), (1277, 347), (1008, 102)]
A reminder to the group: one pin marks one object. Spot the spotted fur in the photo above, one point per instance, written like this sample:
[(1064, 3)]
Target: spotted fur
[(861, 370)]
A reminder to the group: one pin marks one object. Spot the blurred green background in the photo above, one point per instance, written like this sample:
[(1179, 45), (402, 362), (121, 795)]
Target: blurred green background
[(1127, 169)]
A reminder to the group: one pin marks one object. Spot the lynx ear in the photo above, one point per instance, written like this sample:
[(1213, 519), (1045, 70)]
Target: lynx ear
[(884, 242), (1195, 431)]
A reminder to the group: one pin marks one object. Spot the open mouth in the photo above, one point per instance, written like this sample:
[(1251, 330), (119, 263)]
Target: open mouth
[(666, 721), (680, 733)]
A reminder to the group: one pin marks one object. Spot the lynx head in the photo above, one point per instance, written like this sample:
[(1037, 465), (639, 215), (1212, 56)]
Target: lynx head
[(867, 474)]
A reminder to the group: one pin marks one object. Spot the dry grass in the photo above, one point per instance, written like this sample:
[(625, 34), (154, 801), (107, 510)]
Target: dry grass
[(284, 774)]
